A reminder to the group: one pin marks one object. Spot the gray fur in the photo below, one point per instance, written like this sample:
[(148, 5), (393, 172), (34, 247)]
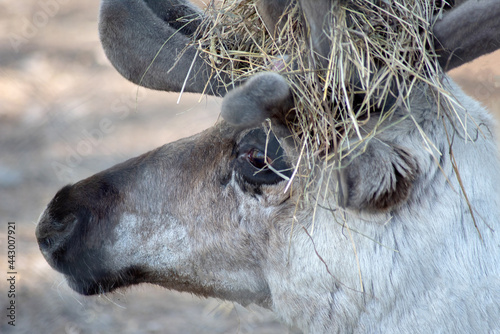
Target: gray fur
[(378, 179), (262, 96)]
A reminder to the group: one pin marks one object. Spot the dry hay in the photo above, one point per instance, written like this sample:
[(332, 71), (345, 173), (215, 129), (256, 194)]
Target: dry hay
[(379, 51)]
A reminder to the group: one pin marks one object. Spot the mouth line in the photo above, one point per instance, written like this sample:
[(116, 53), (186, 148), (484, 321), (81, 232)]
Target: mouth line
[(89, 287), (104, 282)]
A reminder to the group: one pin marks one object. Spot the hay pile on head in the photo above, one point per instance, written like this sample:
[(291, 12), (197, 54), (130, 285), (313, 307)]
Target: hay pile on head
[(378, 51)]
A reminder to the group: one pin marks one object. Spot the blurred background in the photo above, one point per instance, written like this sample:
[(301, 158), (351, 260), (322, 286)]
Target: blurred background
[(56, 90)]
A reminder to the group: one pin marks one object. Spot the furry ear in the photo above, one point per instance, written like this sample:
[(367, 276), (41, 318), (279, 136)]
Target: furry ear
[(378, 179), (263, 96)]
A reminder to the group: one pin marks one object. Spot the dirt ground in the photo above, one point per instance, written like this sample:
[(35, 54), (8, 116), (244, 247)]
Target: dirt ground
[(57, 90)]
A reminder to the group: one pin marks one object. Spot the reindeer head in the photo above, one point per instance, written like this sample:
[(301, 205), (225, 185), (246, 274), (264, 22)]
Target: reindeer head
[(136, 221), (219, 213)]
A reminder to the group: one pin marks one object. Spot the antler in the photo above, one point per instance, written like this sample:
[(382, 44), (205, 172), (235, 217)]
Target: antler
[(150, 43), (470, 29), (467, 31)]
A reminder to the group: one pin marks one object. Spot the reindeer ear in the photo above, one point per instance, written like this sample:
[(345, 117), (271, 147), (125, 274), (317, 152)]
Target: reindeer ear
[(466, 32), (263, 96), (378, 179)]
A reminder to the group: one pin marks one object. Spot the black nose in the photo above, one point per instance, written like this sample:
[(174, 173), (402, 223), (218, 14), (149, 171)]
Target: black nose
[(51, 233), (56, 224)]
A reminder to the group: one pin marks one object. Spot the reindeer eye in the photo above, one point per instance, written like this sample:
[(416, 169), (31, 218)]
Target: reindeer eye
[(258, 159), (255, 153)]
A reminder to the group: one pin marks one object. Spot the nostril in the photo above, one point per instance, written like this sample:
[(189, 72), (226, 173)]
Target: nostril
[(51, 233), (44, 243), (46, 235)]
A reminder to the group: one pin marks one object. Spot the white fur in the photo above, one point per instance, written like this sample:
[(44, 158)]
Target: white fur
[(424, 267)]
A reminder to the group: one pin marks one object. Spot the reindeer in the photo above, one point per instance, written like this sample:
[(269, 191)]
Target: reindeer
[(411, 246)]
